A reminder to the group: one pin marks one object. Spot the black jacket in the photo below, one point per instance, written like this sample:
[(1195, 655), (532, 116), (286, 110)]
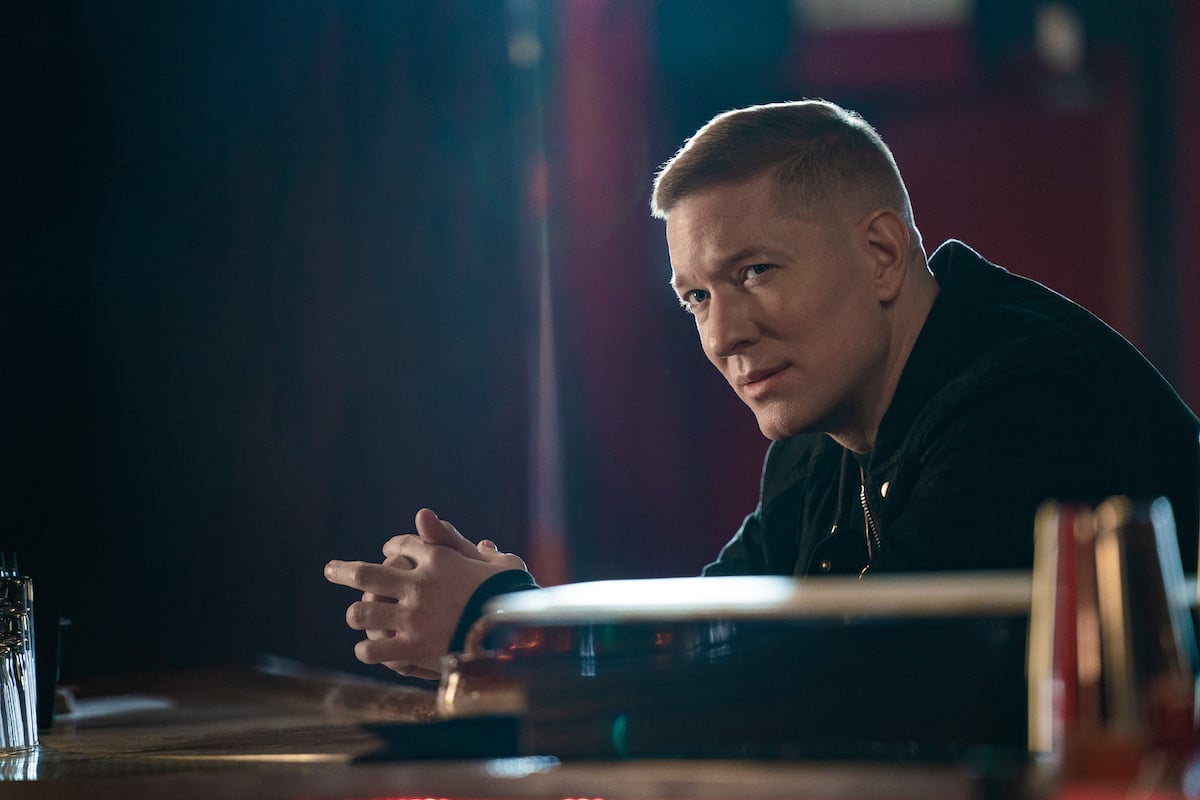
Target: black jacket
[(1012, 395)]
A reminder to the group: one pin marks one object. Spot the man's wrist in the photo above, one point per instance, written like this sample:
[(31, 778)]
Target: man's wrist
[(512, 580)]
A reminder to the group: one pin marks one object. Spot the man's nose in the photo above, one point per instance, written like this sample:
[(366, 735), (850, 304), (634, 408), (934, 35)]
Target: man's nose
[(729, 328)]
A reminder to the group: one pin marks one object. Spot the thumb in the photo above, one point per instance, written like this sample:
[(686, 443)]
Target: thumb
[(436, 531), (491, 554)]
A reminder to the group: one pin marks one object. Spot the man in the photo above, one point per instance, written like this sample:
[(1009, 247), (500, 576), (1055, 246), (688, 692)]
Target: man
[(920, 409)]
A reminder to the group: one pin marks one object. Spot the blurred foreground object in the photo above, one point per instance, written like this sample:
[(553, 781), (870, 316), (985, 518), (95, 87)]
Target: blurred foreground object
[(1112, 654), (921, 666)]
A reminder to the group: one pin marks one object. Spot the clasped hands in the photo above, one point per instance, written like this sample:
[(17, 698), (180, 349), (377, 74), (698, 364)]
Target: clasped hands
[(411, 603)]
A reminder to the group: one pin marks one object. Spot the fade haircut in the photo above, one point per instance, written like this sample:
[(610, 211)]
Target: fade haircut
[(826, 161)]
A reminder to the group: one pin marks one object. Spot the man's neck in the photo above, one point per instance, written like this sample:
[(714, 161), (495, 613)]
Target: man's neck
[(910, 316)]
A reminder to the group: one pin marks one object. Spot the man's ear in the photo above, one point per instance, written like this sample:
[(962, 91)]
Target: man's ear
[(885, 237)]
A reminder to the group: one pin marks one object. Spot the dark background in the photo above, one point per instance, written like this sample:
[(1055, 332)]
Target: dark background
[(272, 275)]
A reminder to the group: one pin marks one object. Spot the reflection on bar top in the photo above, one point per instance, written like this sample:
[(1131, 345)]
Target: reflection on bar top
[(771, 597), (94, 707)]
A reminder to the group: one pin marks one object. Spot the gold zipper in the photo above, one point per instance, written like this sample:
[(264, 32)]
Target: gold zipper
[(874, 543)]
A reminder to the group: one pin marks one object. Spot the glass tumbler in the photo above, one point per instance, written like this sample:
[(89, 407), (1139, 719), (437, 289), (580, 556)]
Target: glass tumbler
[(18, 675)]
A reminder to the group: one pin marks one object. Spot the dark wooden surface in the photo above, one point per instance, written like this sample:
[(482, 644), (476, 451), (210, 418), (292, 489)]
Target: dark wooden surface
[(238, 732)]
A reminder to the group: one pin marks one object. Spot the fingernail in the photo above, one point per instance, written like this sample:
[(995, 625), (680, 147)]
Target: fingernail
[(488, 543)]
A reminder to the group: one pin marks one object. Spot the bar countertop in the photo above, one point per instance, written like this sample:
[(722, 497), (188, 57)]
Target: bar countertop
[(280, 731)]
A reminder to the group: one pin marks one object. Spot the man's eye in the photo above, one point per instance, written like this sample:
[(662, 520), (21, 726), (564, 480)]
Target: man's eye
[(693, 297), (758, 269)]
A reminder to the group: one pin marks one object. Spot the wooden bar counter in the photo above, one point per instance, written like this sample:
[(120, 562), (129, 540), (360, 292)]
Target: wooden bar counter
[(279, 731)]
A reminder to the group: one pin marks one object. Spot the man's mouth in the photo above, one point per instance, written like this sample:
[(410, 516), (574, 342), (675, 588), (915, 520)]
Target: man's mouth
[(760, 377)]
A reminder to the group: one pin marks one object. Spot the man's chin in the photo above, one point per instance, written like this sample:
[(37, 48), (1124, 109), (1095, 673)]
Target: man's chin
[(784, 420), (777, 429)]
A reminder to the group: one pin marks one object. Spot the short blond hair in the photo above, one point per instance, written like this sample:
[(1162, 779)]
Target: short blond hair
[(822, 156)]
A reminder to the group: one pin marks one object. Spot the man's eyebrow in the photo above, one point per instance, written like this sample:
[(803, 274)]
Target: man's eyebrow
[(748, 254)]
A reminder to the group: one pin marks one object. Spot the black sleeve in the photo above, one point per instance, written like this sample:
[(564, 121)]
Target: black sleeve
[(736, 557), (755, 550), (513, 580)]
